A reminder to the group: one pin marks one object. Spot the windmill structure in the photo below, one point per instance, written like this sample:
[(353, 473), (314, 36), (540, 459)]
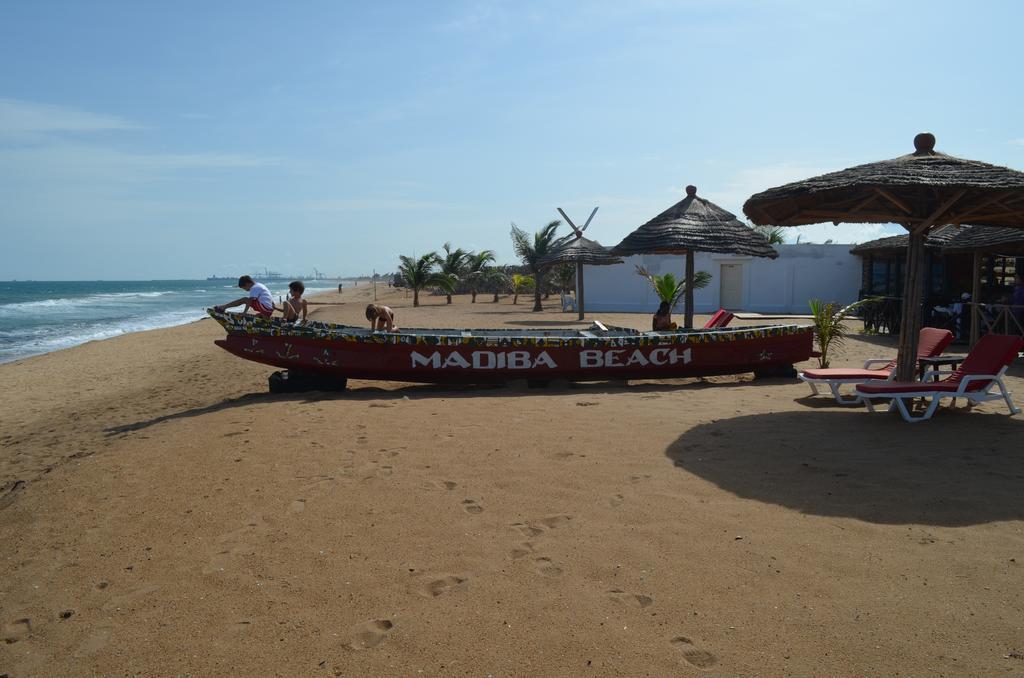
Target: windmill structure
[(580, 251)]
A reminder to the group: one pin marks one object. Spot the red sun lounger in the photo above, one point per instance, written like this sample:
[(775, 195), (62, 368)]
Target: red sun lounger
[(981, 372), (721, 318), (931, 342)]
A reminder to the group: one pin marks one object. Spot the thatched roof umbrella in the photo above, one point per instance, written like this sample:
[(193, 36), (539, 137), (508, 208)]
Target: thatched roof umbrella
[(695, 225), (920, 191), (581, 251), (978, 241)]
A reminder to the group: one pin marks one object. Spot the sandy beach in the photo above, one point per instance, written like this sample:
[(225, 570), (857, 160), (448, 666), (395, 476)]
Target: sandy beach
[(162, 514)]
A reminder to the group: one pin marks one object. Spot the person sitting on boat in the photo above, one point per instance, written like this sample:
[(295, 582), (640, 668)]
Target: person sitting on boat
[(663, 318), (381, 318), (259, 299), (295, 305)]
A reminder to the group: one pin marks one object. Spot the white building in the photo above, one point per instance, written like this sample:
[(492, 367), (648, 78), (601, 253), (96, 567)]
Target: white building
[(738, 283)]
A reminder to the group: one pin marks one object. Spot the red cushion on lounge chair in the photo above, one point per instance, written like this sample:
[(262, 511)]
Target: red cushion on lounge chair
[(715, 319), (990, 355), (932, 342), (847, 373), (896, 387)]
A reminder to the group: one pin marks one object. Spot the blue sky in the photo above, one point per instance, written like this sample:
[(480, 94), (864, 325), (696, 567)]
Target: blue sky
[(147, 140)]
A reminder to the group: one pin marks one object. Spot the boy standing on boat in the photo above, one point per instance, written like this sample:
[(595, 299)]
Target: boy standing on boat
[(259, 299)]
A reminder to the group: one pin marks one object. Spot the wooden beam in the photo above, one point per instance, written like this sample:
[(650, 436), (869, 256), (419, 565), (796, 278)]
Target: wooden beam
[(971, 211), (910, 322), (856, 217), (938, 214), (974, 218), (975, 305), (688, 318), (894, 200), (579, 290)]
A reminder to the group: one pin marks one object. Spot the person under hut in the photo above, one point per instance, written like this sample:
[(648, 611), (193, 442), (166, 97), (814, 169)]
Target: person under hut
[(662, 321)]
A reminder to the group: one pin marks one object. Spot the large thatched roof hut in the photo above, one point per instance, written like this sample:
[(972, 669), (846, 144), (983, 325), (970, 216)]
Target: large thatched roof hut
[(695, 224), (921, 190)]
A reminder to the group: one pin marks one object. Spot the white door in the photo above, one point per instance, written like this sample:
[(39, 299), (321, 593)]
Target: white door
[(731, 280)]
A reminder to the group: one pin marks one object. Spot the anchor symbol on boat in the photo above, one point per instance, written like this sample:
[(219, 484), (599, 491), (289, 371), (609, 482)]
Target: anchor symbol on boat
[(289, 353), (766, 355), (326, 360)]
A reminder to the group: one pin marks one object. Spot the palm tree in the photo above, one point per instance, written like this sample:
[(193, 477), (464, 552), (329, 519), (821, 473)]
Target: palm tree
[(829, 330), (453, 265), (669, 289), (420, 273), (477, 269), (520, 283), (545, 241), (775, 235), (498, 278), (564, 277)]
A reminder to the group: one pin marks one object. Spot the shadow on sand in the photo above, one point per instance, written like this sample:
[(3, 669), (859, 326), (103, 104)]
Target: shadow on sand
[(961, 468), (385, 397)]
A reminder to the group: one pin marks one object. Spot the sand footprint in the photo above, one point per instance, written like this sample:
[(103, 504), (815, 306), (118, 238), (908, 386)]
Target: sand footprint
[(19, 629), (527, 530), (632, 599), (547, 567), (441, 586), (616, 500), (693, 655), (527, 549), (555, 521), (470, 506), (369, 634), (297, 506)]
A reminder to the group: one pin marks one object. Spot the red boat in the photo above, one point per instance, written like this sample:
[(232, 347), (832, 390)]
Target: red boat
[(538, 355)]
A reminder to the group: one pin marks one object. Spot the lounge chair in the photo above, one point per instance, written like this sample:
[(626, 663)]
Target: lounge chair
[(721, 318), (568, 303), (931, 342), (980, 372)]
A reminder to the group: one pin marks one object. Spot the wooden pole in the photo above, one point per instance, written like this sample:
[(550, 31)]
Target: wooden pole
[(975, 300), (910, 326), (579, 288), (688, 321)]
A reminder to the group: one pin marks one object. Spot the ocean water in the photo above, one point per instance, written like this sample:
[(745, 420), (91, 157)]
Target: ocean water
[(39, 317)]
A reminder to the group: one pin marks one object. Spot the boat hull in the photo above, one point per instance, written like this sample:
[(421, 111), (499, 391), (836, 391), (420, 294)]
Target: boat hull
[(479, 358)]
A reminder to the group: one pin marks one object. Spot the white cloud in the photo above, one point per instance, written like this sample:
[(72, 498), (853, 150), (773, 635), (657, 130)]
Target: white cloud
[(1017, 142), (85, 163), (843, 233), (27, 117), (747, 182)]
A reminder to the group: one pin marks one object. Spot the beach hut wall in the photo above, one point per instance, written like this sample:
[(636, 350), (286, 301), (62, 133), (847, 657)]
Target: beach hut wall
[(921, 190)]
